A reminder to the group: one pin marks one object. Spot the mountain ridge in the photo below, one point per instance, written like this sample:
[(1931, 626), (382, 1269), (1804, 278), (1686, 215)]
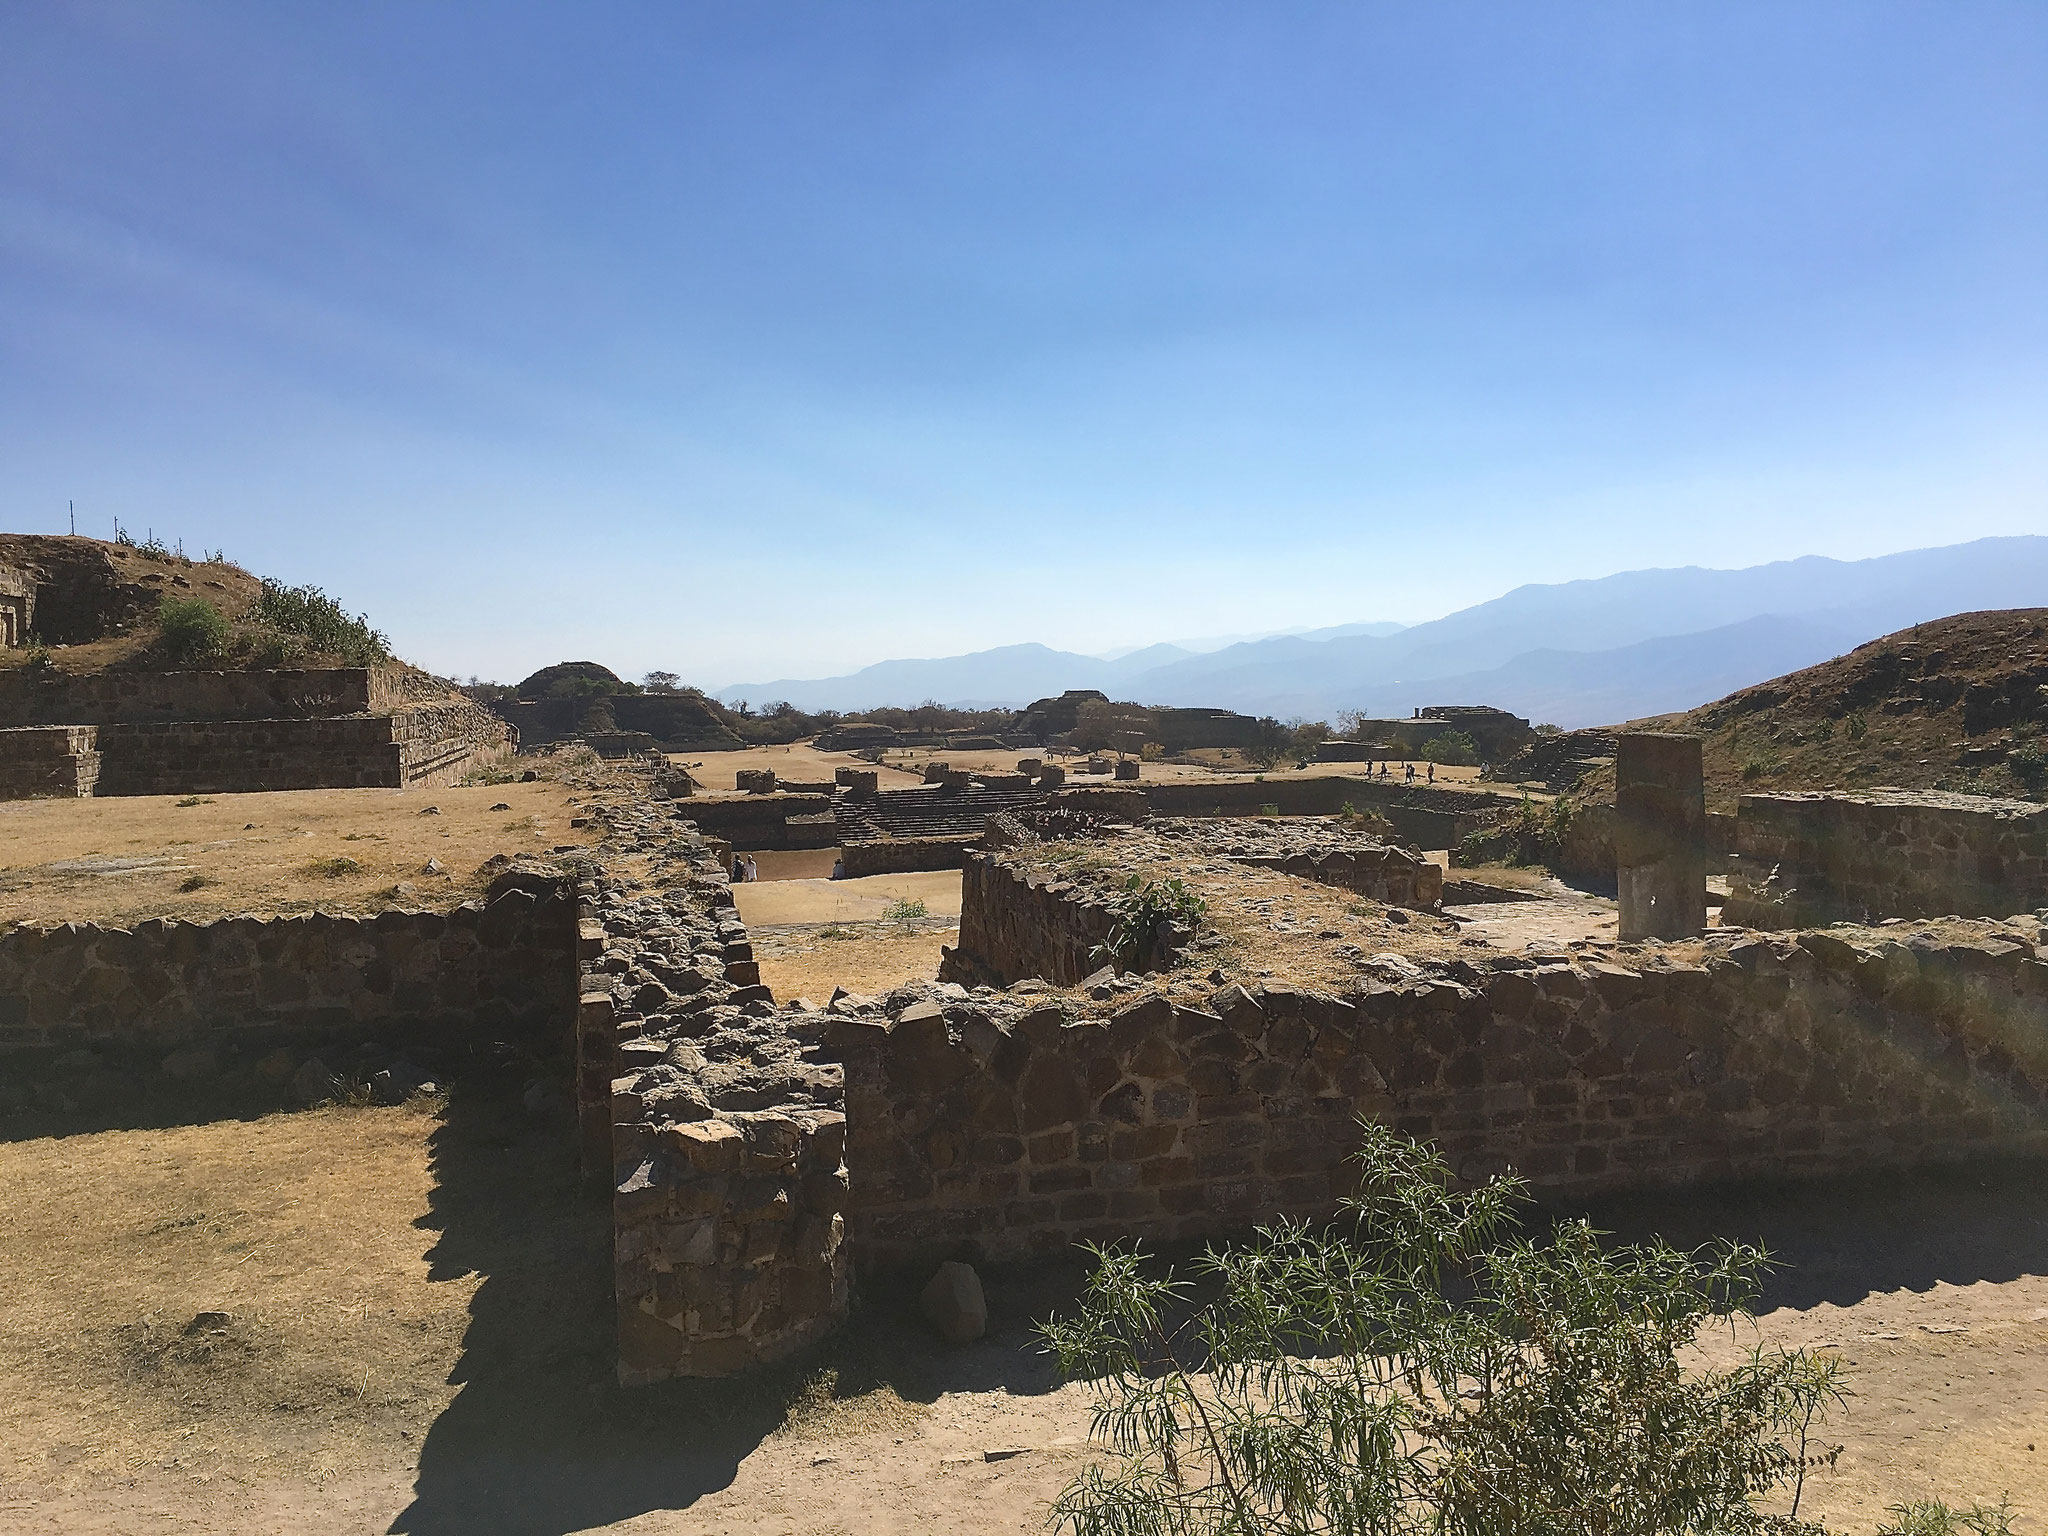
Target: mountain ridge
[(1564, 650)]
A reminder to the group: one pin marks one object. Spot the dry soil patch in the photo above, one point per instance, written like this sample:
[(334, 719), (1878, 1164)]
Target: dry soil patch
[(124, 858), (418, 1340)]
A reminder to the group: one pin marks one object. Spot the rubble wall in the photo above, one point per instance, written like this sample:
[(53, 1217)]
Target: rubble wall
[(1808, 859), (774, 820), (1017, 923), (1421, 814), (703, 1107), (977, 1134), (503, 967), (902, 855)]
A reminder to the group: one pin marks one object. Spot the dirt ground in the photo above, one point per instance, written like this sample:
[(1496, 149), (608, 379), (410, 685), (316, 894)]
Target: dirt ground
[(785, 902), (869, 958), (902, 767), (124, 858), (416, 1338), (811, 936)]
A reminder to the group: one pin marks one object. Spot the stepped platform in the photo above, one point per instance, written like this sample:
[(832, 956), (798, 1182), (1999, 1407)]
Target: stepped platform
[(190, 733), (932, 827)]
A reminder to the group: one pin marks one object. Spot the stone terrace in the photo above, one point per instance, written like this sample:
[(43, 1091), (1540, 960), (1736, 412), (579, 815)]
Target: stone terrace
[(1300, 898)]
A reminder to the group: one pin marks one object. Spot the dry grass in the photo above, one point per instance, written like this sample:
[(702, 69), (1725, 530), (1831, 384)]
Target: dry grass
[(418, 1339), (869, 959), (778, 902), (197, 857), (296, 1230)]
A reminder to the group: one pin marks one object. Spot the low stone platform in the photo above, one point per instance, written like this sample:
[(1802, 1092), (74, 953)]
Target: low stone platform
[(186, 733), (38, 760)]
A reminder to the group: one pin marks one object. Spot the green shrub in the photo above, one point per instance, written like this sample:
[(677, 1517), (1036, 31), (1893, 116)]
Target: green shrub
[(190, 629), (1451, 748), (1931, 1517), (1416, 1367), (1138, 907), (905, 914), (2028, 764), (322, 622), (1855, 724)]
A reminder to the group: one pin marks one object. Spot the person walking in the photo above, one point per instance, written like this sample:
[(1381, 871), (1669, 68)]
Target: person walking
[(753, 870), (1432, 773)]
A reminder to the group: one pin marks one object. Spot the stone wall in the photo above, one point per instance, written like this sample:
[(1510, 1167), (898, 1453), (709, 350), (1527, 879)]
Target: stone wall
[(775, 820), (498, 968), (51, 697), (1421, 814), (1007, 1127), (1807, 859), (1017, 923), (38, 760), (721, 1135), (900, 855), (427, 744), (1390, 875)]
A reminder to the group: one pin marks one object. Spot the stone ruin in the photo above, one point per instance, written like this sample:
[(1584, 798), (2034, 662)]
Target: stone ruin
[(1660, 836), (767, 1159), (1806, 859), (771, 1159), (134, 732), (132, 729)]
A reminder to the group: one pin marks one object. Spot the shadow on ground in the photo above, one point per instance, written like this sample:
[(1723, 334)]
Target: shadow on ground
[(1844, 1239), (539, 1439)]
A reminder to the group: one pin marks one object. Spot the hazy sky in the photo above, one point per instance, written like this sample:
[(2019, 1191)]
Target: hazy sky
[(764, 339)]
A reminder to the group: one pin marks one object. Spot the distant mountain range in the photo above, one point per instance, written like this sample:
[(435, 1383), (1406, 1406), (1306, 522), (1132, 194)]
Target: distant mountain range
[(1578, 653)]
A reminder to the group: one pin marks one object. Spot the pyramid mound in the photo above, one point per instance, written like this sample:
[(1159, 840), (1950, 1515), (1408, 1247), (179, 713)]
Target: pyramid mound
[(131, 670)]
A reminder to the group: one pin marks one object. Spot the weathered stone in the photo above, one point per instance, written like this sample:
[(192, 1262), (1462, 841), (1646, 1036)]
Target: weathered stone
[(953, 1304)]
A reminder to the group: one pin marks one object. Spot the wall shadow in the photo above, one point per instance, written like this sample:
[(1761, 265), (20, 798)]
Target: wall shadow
[(1841, 1240), (539, 1439)]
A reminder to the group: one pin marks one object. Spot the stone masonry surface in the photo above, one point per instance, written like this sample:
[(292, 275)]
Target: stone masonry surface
[(720, 1130), (1043, 908), (115, 697), (48, 760), (501, 967), (1008, 1125), (1803, 859)]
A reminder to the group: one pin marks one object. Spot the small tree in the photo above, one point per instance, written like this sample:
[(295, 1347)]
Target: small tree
[(661, 682), (1451, 747), (1270, 742), (1416, 1368)]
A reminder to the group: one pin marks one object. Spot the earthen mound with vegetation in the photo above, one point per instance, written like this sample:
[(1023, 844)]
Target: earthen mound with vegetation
[(1959, 703), (143, 605)]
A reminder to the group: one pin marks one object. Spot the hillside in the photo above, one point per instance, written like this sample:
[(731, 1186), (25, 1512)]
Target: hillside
[(1959, 703), (99, 606)]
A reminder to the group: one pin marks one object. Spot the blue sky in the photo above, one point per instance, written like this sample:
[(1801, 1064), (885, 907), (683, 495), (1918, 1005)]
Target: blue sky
[(760, 340)]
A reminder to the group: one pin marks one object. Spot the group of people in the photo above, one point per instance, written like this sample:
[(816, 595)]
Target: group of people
[(1408, 771), (743, 869)]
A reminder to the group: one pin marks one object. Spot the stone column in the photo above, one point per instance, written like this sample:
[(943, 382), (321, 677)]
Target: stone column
[(1660, 835)]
